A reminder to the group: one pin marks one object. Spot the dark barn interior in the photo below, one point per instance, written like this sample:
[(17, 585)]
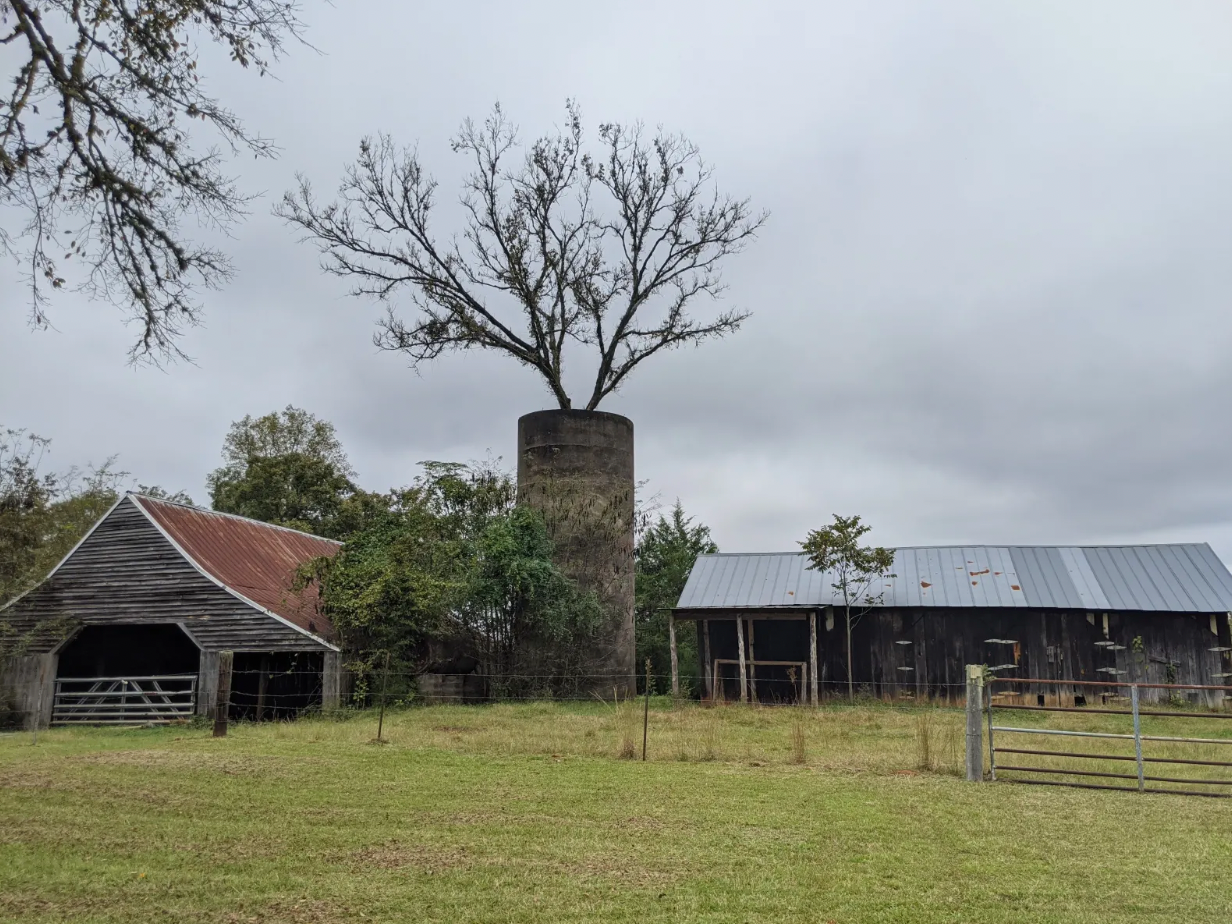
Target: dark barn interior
[(128, 651), (274, 685)]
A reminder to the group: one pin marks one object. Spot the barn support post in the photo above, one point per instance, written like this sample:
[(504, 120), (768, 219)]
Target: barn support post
[(262, 686), (813, 681), (671, 644), (752, 668), (30, 682), (331, 681), (975, 729), (223, 703), (207, 683), (706, 663), (744, 678)]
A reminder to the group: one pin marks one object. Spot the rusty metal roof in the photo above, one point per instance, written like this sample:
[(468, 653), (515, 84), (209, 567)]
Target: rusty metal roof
[(1164, 578), (255, 561)]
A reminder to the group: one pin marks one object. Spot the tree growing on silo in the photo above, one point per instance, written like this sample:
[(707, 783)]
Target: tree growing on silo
[(614, 254)]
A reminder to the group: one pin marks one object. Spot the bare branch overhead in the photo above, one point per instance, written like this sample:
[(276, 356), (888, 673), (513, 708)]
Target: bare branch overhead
[(96, 150), (611, 252)]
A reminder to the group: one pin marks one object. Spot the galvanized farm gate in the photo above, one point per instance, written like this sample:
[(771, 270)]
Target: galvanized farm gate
[(123, 700), (1010, 747)]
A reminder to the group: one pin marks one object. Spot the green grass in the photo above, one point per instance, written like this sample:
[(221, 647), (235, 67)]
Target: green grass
[(528, 813)]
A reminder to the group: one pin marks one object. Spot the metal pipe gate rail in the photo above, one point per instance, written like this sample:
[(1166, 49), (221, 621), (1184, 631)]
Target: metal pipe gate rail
[(1142, 777), (124, 700)]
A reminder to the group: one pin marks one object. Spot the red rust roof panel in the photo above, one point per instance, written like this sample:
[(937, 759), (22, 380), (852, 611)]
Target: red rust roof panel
[(256, 560)]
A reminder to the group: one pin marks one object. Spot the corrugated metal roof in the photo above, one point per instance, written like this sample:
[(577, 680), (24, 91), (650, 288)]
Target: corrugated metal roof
[(1159, 578), (256, 560)]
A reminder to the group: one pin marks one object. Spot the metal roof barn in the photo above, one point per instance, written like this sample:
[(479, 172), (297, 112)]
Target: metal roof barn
[(1147, 578), (1153, 613)]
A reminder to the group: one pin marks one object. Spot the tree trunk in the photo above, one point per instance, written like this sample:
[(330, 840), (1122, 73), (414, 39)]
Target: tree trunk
[(851, 688)]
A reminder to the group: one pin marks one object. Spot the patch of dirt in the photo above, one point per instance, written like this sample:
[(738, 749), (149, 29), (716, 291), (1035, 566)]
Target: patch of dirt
[(428, 858)]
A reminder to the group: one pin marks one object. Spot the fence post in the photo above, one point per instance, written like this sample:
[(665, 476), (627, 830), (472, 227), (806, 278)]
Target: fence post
[(671, 642), (223, 703), (1133, 698), (813, 679), (975, 704), (380, 722), (744, 680)]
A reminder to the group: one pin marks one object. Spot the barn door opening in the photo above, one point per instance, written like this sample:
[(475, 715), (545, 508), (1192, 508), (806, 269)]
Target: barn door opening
[(126, 675), (275, 685)]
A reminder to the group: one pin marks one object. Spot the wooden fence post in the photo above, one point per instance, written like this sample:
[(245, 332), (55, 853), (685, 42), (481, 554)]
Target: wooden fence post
[(813, 679), (380, 722), (744, 679), (671, 644), (223, 703), (975, 706), (706, 666), (262, 686)]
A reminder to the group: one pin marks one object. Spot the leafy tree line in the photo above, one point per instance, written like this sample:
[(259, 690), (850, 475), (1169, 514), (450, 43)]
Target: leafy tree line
[(449, 569), (446, 569)]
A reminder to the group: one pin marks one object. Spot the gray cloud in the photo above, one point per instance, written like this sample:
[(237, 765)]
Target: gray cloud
[(992, 303)]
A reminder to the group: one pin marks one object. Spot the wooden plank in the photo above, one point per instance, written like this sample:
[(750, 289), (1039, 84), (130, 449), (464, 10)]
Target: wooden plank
[(744, 680), (671, 644), (331, 681), (262, 684), (752, 669), (706, 660), (223, 702), (814, 694), (207, 683)]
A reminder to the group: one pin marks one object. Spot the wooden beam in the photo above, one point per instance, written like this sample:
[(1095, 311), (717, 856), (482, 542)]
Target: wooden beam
[(706, 658), (671, 644), (744, 680), (207, 684), (223, 703), (331, 681), (813, 679), (752, 668), (262, 684)]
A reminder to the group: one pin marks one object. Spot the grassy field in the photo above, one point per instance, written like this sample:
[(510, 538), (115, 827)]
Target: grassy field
[(532, 813)]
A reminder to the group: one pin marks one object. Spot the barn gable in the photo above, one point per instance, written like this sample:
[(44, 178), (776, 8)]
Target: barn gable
[(226, 580)]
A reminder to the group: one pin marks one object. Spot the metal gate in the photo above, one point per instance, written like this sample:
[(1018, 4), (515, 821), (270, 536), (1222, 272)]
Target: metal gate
[(1151, 757), (123, 700)]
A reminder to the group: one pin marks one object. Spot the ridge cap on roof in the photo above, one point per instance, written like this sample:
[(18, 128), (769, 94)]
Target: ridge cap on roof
[(982, 545), (233, 516)]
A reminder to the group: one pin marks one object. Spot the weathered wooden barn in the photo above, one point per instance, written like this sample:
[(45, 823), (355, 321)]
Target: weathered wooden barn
[(1152, 614), (129, 626)]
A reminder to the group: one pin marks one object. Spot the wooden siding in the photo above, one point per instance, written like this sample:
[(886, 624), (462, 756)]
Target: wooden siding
[(923, 653), (127, 572)]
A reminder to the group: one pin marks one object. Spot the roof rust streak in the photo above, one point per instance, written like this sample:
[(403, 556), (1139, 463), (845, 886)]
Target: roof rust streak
[(256, 560)]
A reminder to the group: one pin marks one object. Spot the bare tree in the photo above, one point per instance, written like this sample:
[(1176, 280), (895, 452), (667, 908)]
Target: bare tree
[(539, 263), (97, 155)]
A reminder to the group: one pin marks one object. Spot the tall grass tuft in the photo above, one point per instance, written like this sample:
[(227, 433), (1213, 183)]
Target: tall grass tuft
[(925, 752), (798, 755), (626, 724)]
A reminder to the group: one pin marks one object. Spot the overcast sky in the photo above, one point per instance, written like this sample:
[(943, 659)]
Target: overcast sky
[(992, 303)]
